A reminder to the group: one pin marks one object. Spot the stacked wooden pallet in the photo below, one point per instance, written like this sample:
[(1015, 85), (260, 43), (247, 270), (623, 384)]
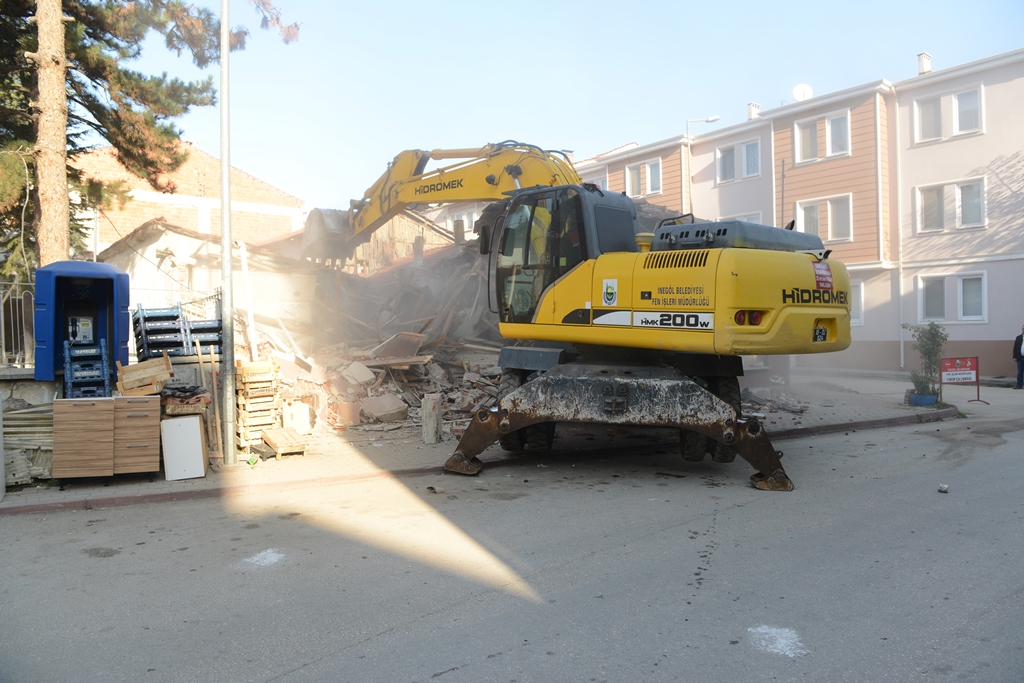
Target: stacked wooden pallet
[(145, 378), (257, 400)]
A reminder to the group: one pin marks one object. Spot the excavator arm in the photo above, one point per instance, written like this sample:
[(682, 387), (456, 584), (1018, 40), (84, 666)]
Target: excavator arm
[(483, 174)]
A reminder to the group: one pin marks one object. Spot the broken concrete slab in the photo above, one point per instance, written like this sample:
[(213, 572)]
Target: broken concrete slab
[(385, 408), (357, 373)]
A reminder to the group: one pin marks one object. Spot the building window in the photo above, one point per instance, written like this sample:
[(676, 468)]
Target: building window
[(966, 209), (807, 217), (968, 111), (601, 182), (726, 164), (633, 186), (654, 177), (751, 159), (856, 303), (746, 217), (933, 298), (929, 119), (837, 134), (749, 154), (970, 210), (971, 291), (932, 209), (807, 141), (840, 218)]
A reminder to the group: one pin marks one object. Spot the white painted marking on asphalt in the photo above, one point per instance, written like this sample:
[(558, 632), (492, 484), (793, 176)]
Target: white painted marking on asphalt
[(778, 641), (266, 558)]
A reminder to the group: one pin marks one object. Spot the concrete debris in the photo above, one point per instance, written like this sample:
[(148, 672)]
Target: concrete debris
[(385, 408), (380, 344), (357, 373), (757, 401)]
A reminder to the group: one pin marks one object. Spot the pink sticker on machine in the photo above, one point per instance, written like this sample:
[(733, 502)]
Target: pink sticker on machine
[(822, 275)]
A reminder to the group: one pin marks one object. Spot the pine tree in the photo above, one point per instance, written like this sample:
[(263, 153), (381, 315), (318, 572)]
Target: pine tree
[(132, 111)]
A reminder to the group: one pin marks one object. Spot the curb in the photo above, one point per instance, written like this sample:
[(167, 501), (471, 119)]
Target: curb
[(916, 418), (227, 491)]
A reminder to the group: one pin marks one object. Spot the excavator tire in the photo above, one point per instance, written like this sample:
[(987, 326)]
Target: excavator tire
[(540, 438), (513, 442), (692, 446), (727, 389)]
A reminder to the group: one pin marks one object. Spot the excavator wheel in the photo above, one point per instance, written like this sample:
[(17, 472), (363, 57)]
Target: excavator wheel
[(727, 389), (540, 438), (692, 445), (513, 442)]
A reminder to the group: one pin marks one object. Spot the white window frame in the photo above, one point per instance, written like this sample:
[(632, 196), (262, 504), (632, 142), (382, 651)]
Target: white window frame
[(799, 213), (718, 164), (743, 158), (650, 188), (630, 190), (829, 123), (983, 317), (849, 203), (957, 130), (959, 203), (919, 217), (601, 182), (918, 135), (921, 282), (857, 296), (739, 160), (798, 152)]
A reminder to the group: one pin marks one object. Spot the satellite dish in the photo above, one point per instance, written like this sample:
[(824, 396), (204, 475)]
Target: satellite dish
[(802, 92)]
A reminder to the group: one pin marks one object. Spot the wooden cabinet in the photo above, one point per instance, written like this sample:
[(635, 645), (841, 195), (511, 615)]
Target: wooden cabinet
[(83, 437), (98, 437), (136, 434)]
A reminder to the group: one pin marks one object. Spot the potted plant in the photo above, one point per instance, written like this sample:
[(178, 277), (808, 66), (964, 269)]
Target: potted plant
[(929, 342)]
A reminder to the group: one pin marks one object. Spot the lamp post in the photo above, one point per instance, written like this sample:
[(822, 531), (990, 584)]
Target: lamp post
[(689, 157)]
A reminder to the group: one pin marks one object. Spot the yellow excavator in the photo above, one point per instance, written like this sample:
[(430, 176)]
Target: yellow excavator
[(627, 327)]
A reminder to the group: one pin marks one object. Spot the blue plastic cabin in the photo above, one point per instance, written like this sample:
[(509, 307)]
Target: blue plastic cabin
[(68, 293)]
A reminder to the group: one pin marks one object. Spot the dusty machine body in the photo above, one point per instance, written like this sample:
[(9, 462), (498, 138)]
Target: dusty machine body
[(608, 325)]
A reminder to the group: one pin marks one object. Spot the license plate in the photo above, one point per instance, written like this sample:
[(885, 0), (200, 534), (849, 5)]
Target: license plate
[(820, 334)]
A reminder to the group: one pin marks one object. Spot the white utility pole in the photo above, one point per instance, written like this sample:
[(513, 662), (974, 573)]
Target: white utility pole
[(227, 350)]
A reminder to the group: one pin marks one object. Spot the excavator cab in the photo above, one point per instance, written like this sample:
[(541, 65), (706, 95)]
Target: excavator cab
[(540, 240), (544, 234)]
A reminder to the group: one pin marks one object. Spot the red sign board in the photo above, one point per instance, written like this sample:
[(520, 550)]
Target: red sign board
[(822, 275), (959, 370)]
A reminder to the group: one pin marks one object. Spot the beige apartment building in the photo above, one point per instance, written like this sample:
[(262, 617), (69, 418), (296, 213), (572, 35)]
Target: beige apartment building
[(917, 186)]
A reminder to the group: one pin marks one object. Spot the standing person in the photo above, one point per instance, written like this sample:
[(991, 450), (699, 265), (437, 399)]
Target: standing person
[(1019, 358)]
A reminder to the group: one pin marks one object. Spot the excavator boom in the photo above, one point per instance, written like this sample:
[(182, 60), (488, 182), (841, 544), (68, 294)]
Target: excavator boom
[(483, 174)]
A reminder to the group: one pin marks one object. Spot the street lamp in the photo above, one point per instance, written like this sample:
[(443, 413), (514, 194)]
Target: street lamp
[(689, 157)]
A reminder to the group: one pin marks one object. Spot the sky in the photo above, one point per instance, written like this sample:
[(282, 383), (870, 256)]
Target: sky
[(321, 118)]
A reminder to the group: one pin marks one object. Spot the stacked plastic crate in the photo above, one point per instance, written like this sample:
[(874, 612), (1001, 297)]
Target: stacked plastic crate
[(258, 400), (159, 330), (86, 370)]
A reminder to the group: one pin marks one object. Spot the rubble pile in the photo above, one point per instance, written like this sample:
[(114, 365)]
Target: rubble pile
[(412, 329)]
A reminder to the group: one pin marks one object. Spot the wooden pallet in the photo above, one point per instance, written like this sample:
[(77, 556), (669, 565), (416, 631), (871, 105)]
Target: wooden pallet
[(257, 419), (252, 391), (145, 378), (258, 402), (285, 440)]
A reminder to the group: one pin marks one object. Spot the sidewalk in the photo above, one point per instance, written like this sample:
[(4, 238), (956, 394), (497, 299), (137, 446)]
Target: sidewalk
[(810, 404)]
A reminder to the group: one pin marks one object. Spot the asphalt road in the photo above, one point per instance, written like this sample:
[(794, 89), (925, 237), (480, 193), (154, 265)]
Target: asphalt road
[(623, 566)]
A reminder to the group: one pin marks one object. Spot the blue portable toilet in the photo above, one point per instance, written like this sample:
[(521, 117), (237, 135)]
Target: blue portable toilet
[(75, 299)]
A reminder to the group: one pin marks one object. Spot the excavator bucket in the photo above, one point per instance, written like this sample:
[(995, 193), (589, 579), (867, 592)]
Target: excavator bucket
[(603, 394)]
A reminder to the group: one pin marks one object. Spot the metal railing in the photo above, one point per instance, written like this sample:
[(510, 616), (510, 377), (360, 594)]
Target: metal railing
[(17, 337)]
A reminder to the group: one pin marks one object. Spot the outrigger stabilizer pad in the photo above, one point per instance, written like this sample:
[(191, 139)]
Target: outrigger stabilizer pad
[(776, 481)]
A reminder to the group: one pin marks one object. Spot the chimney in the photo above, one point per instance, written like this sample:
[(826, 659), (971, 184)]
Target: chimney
[(753, 111), (924, 63)]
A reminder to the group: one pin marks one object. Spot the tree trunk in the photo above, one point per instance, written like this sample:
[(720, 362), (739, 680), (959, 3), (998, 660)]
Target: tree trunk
[(52, 229)]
